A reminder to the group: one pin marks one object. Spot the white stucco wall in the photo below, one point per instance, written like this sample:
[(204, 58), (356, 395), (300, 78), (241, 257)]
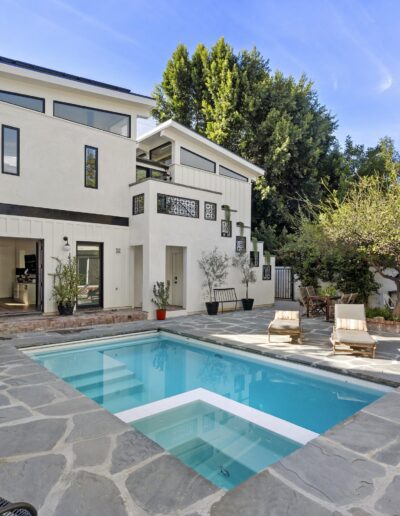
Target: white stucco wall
[(155, 231), (117, 267)]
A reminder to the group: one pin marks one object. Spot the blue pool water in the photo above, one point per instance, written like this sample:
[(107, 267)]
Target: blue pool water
[(131, 372), (222, 447)]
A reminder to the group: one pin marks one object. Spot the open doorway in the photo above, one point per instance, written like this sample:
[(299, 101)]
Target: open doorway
[(175, 274), (21, 276)]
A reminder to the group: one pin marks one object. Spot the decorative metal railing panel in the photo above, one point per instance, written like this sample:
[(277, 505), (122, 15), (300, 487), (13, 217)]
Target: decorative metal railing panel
[(226, 228), (172, 205), (210, 210), (138, 204), (240, 244)]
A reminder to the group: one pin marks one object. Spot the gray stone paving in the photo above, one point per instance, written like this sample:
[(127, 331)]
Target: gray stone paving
[(66, 455)]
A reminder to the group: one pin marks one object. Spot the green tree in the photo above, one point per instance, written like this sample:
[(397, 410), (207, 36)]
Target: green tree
[(174, 94), (368, 221)]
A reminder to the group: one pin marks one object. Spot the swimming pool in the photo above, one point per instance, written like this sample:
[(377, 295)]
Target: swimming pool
[(139, 376)]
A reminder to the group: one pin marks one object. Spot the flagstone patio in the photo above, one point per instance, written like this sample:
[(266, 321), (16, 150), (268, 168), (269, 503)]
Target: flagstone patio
[(66, 455)]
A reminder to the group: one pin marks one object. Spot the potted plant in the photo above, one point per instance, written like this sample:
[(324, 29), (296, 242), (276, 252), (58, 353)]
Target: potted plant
[(66, 285), (214, 266), (242, 262), (227, 210), (160, 299)]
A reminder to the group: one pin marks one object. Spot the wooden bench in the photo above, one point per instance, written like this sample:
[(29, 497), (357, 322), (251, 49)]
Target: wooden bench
[(225, 295)]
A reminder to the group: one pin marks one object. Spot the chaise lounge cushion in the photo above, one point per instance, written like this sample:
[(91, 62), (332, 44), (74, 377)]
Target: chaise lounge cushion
[(351, 324), (287, 315), (353, 337), (280, 324)]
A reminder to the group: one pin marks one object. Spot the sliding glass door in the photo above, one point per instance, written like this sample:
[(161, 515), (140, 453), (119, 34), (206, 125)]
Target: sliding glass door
[(89, 258)]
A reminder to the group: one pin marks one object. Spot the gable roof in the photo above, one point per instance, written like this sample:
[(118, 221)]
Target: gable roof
[(172, 124)]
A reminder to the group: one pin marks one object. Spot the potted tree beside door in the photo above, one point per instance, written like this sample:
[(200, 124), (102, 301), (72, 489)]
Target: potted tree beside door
[(66, 285), (214, 266), (242, 262), (160, 299)]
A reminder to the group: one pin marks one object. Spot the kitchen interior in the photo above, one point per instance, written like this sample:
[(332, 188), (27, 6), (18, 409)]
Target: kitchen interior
[(18, 275)]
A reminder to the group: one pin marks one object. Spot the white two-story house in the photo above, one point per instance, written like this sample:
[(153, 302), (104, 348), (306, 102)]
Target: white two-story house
[(75, 179)]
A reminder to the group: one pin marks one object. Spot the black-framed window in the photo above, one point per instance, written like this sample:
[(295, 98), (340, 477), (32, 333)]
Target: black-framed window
[(89, 259), (21, 100), (138, 204), (117, 123), (210, 210), (191, 159), (240, 244), (10, 158), (226, 228), (143, 173), (91, 167), (230, 173), (162, 153), (255, 258), (181, 206)]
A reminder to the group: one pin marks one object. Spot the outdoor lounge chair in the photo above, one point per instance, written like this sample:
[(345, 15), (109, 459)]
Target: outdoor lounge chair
[(350, 334), (286, 322)]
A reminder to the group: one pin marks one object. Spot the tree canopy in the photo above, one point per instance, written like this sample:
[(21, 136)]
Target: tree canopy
[(274, 121)]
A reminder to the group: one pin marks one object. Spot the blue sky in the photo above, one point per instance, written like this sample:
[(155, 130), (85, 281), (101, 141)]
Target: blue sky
[(349, 48)]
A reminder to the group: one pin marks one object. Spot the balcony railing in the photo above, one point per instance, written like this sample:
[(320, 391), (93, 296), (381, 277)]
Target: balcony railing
[(172, 205)]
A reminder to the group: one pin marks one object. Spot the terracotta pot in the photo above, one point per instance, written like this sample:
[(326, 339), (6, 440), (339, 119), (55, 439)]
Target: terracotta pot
[(161, 314), (212, 307)]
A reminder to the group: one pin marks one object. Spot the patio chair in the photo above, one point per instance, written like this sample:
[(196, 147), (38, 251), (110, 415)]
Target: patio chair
[(316, 306), (16, 509), (352, 298), (303, 297), (350, 334), (344, 299), (286, 322)]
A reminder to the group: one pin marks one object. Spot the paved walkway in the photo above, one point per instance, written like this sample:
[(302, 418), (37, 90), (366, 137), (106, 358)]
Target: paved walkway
[(66, 455)]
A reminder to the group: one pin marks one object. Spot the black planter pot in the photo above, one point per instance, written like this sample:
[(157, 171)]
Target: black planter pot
[(247, 304), (212, 307), (66, 308)]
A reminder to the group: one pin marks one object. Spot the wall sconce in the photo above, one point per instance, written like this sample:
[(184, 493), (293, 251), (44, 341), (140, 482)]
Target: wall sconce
[(67, 245)]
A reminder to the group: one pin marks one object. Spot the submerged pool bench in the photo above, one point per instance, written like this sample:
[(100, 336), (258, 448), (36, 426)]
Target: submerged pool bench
[(225, 295)]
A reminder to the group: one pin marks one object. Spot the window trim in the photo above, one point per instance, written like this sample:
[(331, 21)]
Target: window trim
[(199, 156), (101, 274), (24, 95), (97, 166), (244, 180), (160, 147), (18, 150), (94, 109)]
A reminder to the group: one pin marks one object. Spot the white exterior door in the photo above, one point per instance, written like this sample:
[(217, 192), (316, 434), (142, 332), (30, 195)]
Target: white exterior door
[(177, 278)]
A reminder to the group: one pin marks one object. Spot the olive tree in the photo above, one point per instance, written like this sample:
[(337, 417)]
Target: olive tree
[(368, 220)]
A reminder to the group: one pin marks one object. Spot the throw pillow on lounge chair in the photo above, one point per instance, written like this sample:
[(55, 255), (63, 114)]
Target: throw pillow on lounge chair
[(285, 322)]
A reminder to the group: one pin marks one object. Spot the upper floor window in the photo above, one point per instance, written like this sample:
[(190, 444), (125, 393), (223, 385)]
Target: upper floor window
[(230, 173), (25, 101), (162, 153), (192, 159), (10, 150), (116, 123), (91, 167)]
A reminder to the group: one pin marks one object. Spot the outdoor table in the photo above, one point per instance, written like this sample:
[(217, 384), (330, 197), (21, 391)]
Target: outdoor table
[(327, 300)]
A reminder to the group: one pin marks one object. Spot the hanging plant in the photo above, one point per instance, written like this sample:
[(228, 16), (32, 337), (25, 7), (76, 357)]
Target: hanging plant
[(267, 257), (255, 244), (227, 210), (241, 228)]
